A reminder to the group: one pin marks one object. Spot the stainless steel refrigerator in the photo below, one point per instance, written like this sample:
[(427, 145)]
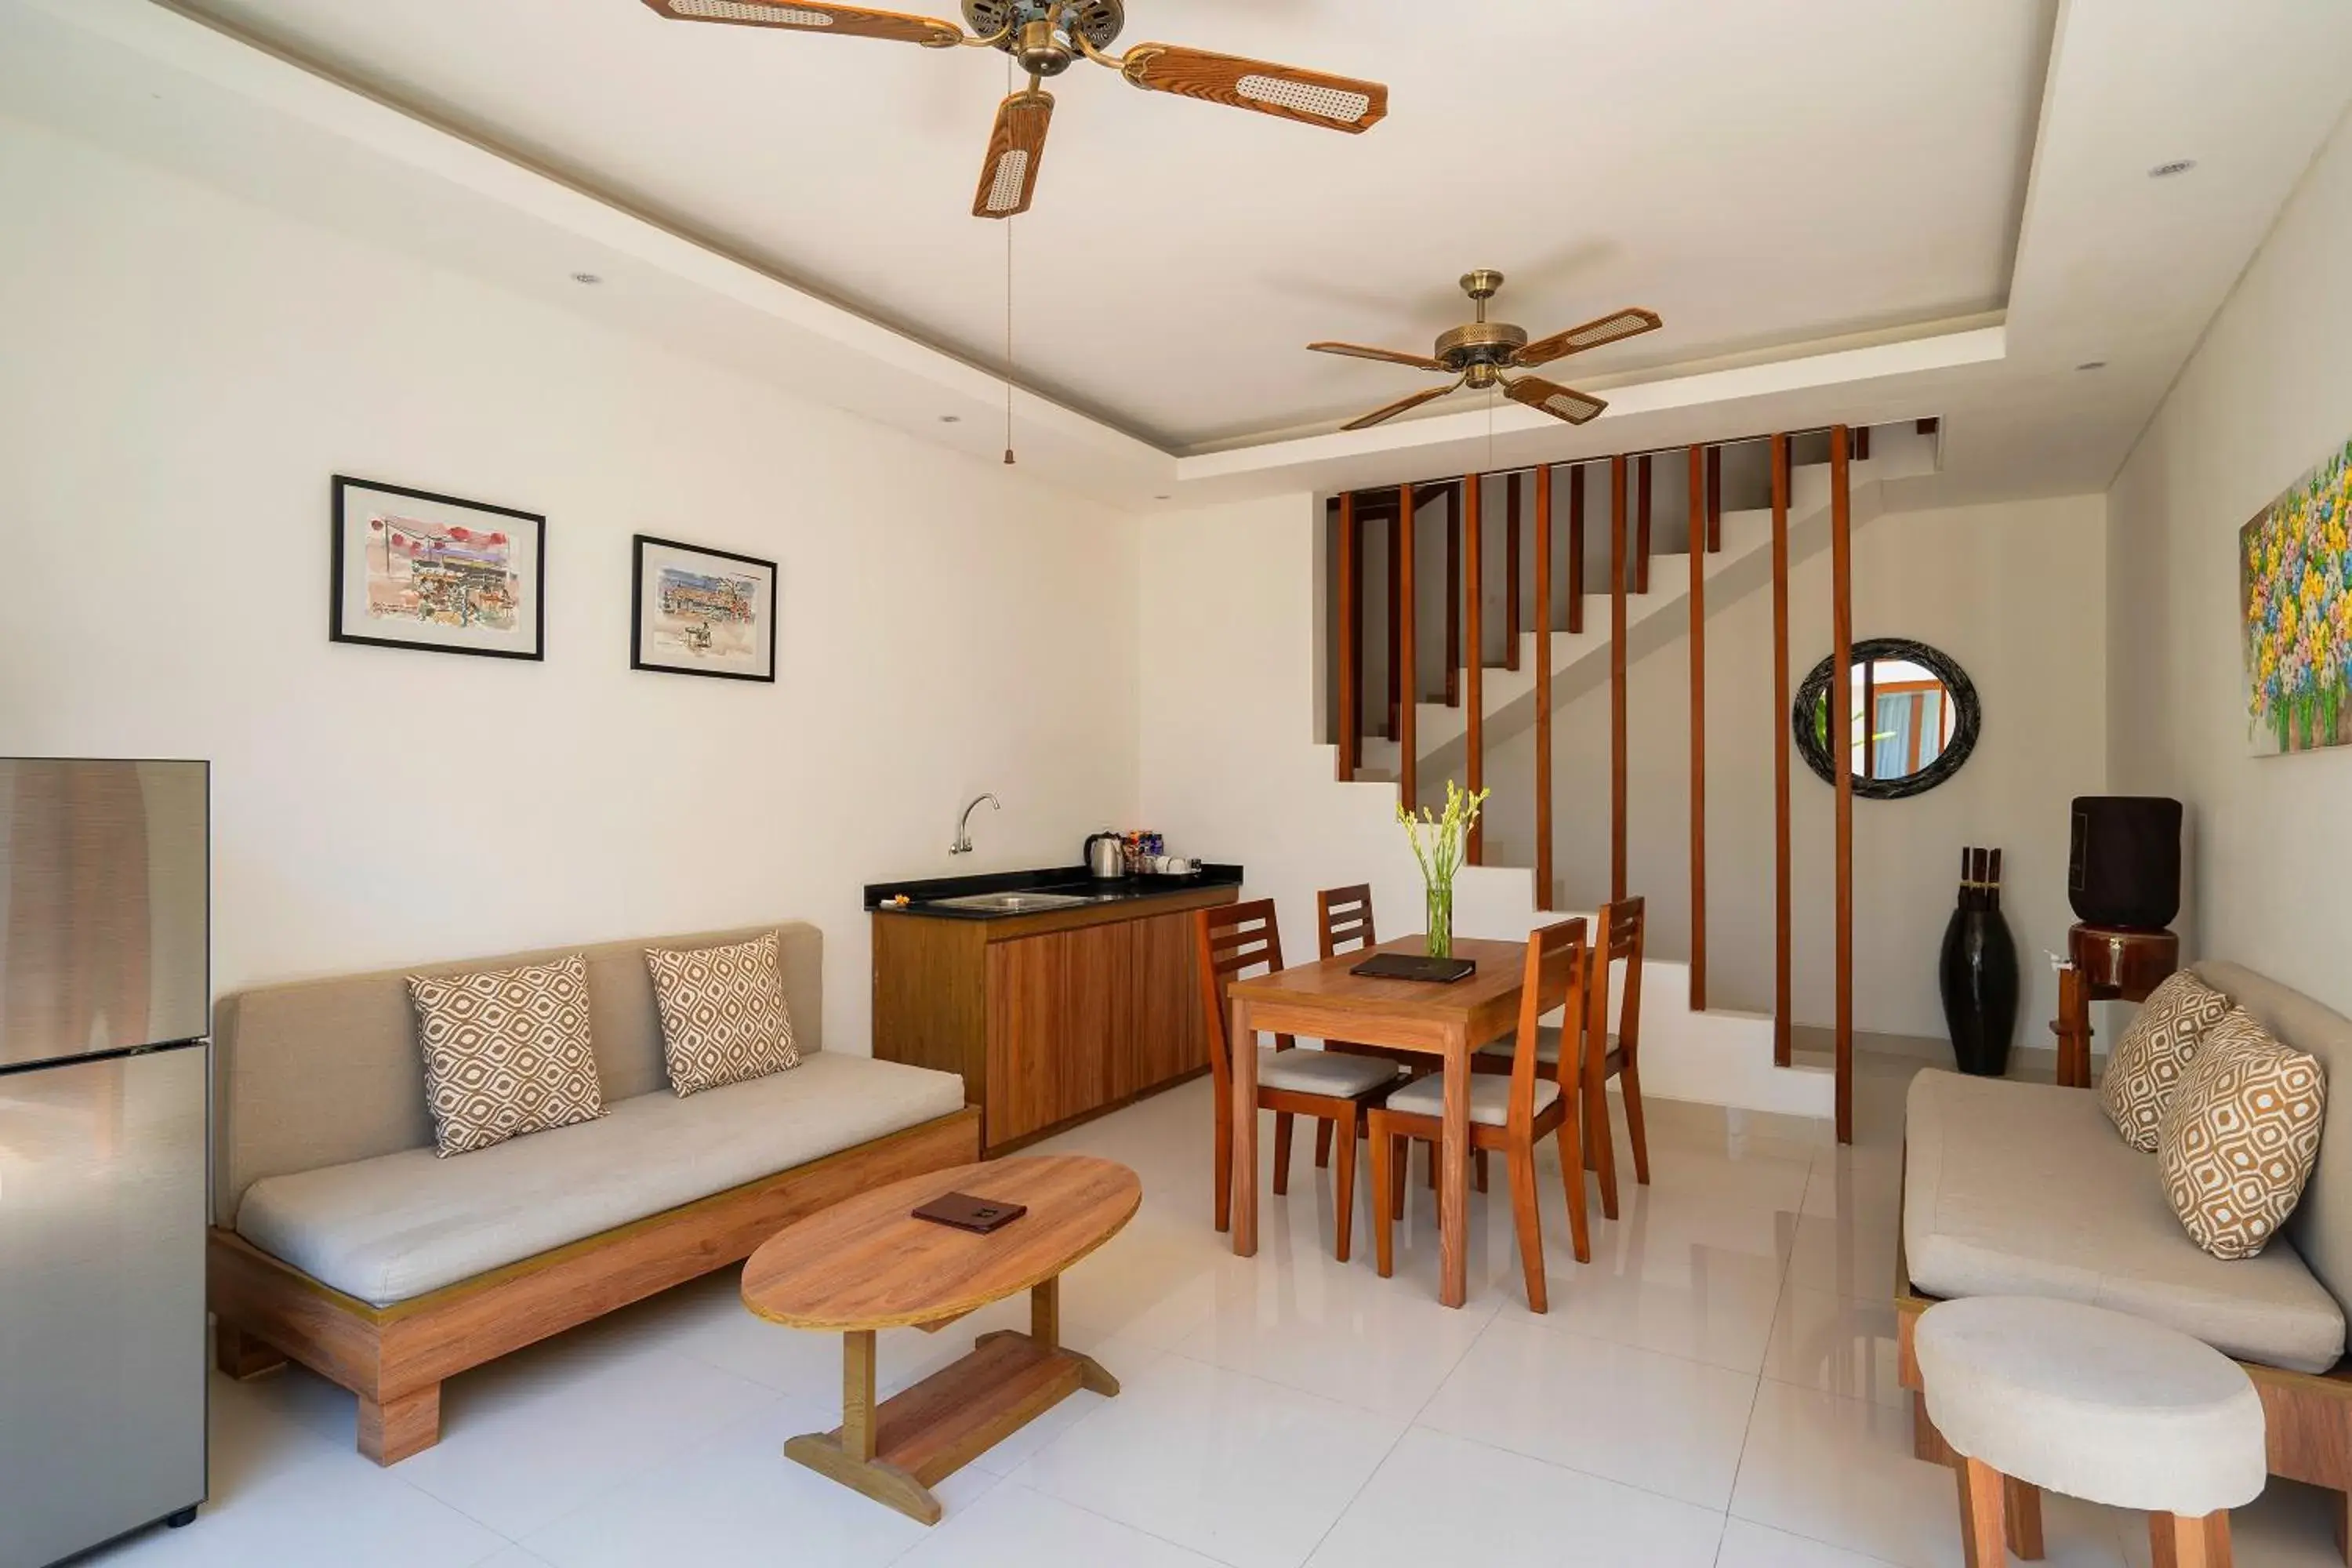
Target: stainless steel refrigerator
[(104, 1007)]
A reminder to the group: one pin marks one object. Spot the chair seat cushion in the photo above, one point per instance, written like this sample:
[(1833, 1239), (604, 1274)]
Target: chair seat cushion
[(1547, 1045), (398, 1225), (1490, 1098), (2023, 1189), (1334, 1073), (2097, 1405)]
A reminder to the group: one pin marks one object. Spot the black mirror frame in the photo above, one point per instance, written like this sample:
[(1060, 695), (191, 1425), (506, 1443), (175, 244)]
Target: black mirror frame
[(1968, 718)]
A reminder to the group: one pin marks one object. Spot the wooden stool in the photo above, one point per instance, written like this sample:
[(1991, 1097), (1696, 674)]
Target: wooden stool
[(2105, 964), (2032, 1393)]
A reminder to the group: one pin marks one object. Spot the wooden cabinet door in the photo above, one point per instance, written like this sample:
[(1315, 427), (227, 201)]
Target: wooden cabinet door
[(1051, 1026), (1158, 1034)]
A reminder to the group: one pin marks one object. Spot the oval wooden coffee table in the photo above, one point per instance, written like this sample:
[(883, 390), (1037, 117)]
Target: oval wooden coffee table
[(868, 1264)]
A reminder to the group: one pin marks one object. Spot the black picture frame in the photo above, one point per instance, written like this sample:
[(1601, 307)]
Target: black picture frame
[(1968, 718), (638, 631), (339, 560)]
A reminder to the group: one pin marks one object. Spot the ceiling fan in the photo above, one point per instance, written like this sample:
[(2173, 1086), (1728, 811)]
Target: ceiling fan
[(1046, 37), (1477, 355)]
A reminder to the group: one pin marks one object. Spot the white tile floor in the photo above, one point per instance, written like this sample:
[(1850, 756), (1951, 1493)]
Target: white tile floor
[(1716, 1387)]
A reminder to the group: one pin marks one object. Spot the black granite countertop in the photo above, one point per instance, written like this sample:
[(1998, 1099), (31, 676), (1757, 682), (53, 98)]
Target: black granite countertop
[(1054, 885)]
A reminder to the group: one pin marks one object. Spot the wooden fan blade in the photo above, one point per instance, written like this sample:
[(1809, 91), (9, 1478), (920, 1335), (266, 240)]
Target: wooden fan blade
[(1008, 180), (1613, 328), (1387, 356), (1337, 103), (1398, 406), (1559, 402), (807, 16)]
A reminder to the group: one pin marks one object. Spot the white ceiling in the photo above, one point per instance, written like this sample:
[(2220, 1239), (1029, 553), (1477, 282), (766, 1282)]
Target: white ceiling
[(1761, 174), (1847, 211)]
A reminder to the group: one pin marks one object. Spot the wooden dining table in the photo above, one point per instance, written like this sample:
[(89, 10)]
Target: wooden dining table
[(1444, 1022)]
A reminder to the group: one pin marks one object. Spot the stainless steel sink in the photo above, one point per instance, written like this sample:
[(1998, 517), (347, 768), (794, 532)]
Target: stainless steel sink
[(1012, 903)]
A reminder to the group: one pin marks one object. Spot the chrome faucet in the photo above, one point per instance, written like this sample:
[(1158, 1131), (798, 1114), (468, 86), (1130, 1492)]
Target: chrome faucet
[(963, 845)]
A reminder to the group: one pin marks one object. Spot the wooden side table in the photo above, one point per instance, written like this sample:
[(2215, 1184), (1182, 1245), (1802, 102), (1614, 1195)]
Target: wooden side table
[(2105, 964), (867, 1264)]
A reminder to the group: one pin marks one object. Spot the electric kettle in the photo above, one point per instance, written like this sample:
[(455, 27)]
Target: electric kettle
[(1106, 855)]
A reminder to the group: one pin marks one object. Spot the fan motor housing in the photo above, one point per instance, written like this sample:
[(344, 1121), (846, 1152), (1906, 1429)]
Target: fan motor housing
[(1099, 22), (1488, 344)]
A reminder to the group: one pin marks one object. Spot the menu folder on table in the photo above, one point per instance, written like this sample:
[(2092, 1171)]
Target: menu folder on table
[(1415, 966)]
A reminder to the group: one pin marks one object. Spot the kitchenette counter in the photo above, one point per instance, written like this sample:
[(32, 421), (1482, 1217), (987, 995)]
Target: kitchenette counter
[(1057, 890), (1056, 996)]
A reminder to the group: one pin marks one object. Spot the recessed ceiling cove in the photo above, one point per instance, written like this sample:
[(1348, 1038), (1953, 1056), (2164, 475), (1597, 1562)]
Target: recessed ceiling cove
[(1759, 177)]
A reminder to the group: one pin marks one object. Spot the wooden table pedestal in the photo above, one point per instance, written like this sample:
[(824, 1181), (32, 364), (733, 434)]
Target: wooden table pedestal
[(896, 1451), (2105, 964)]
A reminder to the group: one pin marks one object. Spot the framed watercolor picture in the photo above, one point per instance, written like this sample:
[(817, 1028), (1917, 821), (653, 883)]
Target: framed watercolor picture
[(702, 612), (2294, 604), (413, 569)]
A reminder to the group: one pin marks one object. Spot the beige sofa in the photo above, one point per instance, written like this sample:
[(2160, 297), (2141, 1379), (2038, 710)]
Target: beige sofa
[(2027, 1189), (343, 1242)]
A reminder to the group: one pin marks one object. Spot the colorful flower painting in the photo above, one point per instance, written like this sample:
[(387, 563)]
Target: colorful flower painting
[(2293, 562)]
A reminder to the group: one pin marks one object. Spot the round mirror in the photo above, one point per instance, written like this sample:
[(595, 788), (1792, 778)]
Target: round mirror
[(1911, 719)]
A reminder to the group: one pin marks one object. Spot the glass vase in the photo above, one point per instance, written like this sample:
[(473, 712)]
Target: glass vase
[(1440, 919)]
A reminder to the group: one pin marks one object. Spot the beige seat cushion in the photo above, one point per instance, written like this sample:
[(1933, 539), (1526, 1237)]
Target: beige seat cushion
[(1490, 1098), (2148, 1063), (1334, 1073), (2095, 1404), (1547, 1045), (506, 1052), (2023, 1189), (2239, 1138), (723, 1013), (398, 1226)]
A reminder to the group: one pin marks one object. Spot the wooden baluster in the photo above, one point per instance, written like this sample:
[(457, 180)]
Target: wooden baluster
[(1409, 763), (1714, 499), (1783, 865), (1397, 529), (1545, 898), (1642, 546), (1351, 635), (1842, 756), (1616, 678), (1454, 597), (1473, 541), (1511, 573), (1576, 550), (1698, 539)]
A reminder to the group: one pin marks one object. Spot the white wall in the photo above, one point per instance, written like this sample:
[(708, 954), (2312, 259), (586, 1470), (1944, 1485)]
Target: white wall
[(1233, 660), (180, 374), (2268, 878), (2015, 593)]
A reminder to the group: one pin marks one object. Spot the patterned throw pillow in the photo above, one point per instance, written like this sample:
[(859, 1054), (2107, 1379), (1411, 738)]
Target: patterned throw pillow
[(722, 1014), (2153, 1056), (2239, 1138), (506, 1052)]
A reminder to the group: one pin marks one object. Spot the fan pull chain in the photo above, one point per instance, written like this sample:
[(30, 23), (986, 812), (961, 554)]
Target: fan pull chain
[(1008, 305)]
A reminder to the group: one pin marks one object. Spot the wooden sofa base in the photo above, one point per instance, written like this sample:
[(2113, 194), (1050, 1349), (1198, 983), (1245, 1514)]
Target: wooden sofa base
[(2308, 1417), (395, 1358)]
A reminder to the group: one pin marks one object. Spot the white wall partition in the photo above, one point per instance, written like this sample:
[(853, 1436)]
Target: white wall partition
[(2268, 394), (183, 371)]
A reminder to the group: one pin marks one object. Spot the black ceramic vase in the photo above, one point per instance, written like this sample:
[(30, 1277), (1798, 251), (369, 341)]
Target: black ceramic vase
[(1979, 972)]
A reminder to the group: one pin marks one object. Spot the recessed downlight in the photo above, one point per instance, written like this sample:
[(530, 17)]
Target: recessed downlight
[(2178, 166), (591, 279), (2093, 364), (951, 418)]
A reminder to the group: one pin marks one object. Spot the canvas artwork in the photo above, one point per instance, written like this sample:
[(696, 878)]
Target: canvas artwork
[(703, 612), (2295, 595), (413, 569)]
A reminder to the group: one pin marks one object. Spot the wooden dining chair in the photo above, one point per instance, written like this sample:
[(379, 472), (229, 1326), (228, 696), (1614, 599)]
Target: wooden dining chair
[(1235, 940), (1605, 1053), (1343, 919), (1507, 1114)]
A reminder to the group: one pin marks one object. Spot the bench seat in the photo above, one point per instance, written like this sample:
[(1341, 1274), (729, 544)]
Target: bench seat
[(2025, 1189), (399, 1225)]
